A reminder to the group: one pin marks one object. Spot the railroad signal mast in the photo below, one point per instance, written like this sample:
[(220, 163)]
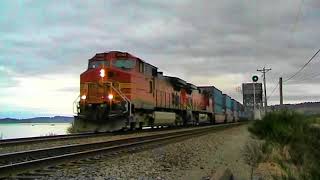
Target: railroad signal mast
[(254, 79), (264, 70)]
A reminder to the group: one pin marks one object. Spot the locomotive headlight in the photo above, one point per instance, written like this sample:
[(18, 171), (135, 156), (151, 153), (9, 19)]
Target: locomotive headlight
[(83, 97), (110, 96), (102, 73)]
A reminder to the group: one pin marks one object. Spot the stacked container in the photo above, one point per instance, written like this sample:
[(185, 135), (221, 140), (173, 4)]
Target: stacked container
[(235, 110), (242, 113), (228, 108), (218, 103)]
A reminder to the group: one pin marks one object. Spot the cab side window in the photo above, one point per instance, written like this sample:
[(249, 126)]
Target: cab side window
[(141, 67), (150, 87)]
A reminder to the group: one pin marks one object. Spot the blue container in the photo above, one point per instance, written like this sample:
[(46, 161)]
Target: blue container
[(217, 97), (227, 102), (234, 105), (238, 106), (218, 109)]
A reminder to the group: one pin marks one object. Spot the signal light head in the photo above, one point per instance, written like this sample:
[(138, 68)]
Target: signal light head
[(255, 78)]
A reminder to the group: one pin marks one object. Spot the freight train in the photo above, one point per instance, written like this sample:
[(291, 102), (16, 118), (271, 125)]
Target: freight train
[(121, 91)]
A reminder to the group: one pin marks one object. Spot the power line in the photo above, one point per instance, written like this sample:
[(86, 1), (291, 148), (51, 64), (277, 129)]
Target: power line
[(315, 75), (312, 76), (293, 29), (274, 90), (305, 65), (297, 18)]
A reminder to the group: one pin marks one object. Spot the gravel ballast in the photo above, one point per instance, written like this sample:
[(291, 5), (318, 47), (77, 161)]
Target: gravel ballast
[(92, 139), (205, 157)]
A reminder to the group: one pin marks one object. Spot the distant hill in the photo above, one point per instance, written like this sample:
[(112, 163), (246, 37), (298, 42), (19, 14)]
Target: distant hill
[(55, 119), (307, 107)]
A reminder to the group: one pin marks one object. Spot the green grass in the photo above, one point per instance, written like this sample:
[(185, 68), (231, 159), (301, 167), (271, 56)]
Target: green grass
[(295, 133)]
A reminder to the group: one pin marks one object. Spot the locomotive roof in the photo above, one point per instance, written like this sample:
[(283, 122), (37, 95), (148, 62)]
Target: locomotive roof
[(201, 87), (97, 56), (176, 79), (192, 86)]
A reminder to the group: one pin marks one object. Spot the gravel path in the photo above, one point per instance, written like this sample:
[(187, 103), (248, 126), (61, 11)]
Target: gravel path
[(205, 157)]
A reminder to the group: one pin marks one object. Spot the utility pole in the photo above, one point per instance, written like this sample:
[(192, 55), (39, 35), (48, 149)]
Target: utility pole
[(281, 92), (264, 71)]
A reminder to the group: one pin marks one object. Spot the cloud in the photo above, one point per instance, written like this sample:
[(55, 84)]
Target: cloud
[(7, 78), (220, 42), (41, 94)]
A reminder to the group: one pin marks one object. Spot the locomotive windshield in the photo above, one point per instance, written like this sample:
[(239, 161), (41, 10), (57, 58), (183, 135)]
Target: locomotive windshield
[(96, 64), (124, 63)]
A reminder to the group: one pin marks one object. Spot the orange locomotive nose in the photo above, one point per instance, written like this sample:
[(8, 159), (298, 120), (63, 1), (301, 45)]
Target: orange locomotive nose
[(95, 84)]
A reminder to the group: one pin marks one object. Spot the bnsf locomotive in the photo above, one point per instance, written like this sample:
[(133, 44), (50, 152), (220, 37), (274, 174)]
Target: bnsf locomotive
[(119, 90)]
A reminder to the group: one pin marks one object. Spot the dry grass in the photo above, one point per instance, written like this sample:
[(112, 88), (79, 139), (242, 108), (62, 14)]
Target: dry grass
[(291, 142)]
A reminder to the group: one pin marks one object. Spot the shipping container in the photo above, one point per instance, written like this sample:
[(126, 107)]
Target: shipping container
[(218, 108), (216, 96), (239, 106), (243, 115), (217, 99), (232, 105), (227, 102), (228, 108), (235, 105), (235, 110)]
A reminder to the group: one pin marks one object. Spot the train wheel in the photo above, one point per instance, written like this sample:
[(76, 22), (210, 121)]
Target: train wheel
[(132, 126), (196, 119), (151, 122), (140, 125)]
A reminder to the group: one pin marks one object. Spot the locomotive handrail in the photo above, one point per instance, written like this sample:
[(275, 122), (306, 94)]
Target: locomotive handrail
[(75, 104), (121, 95)]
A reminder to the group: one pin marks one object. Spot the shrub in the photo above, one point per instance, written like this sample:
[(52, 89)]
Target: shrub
[(280, 127), (297, 133)]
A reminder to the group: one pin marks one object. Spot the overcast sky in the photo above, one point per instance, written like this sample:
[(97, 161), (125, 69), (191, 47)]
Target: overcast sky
[(45, 45)]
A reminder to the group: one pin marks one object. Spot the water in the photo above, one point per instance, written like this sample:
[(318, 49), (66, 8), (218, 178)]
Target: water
[(21, 130)]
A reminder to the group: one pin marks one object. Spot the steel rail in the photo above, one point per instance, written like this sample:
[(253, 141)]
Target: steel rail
[(17, 141), (12, 163), (39, 139)]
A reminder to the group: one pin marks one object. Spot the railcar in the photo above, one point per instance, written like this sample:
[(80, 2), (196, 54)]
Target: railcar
[(235, 110), (216, 96), (227, 108), (243, 115), (119, 90)]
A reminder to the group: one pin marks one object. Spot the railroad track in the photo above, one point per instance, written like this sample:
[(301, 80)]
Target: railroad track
[(40, 139), (18, 141), (24, 161)]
